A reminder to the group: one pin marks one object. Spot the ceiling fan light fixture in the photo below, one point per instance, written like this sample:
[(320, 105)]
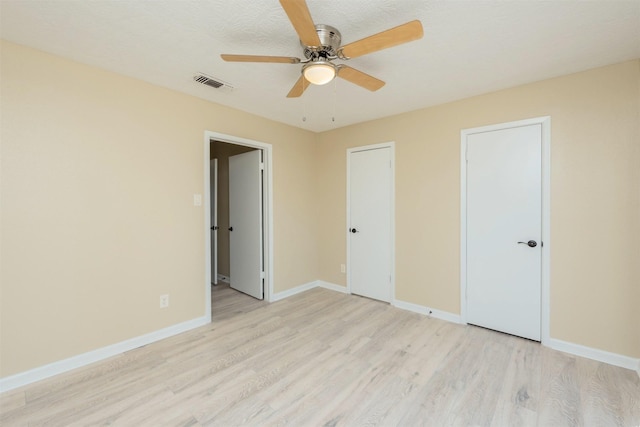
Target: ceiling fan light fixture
[(319, 72)]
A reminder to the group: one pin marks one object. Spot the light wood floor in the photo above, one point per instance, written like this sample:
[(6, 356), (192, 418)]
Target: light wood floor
[(322, 358)]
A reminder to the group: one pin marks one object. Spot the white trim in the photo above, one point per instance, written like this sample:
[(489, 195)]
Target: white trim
[(267, 151), (332, 287), (392, 146), (307, 286), (207, 223), (427, 311), (74, 362), (595, 354), (545, 123), (214, 203), (555, 344), (293, 291), (66, 365), (545, 320)]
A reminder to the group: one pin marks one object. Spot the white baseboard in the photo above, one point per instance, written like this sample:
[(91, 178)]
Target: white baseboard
[(277, 296), (427, 311), (305, 287), (55, 368), (332, 286), (596, 354), (566, 347), (65, 365)]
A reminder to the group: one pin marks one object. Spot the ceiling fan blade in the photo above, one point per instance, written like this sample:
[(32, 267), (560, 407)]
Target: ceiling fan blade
[(359, 78), (389, 38), (259, 58), (298, 88), (300, 17)]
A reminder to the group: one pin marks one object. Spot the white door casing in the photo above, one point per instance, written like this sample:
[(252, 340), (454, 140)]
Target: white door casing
[(245, 221), (504, 284), (267, 208), (370, 240), (213, 179)]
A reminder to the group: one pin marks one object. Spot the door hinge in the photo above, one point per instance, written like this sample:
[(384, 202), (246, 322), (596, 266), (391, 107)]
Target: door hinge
[(262, 275), (261, 166)]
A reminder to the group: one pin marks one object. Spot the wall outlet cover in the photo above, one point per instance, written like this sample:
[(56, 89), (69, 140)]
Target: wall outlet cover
[(164, 301)]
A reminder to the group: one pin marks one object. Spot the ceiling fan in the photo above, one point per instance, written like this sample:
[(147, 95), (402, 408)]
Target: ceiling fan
[(321, 45)]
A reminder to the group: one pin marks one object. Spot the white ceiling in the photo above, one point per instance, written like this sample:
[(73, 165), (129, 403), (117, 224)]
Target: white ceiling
[(468, 48)]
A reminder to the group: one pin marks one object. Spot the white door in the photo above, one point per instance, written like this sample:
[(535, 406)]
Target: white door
[(370, 238), (245, 223), (504, 229), (213, 179)]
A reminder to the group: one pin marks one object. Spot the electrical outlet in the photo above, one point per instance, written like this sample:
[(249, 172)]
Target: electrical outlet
[(164, 301), (343, 269), (197, 200)]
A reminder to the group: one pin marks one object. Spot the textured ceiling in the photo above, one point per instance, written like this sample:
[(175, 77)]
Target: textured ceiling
[(468, 48)]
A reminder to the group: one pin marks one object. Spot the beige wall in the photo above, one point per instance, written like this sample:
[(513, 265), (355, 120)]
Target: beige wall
[(98, 176), (98, 172), (222, 151), (595, 207)]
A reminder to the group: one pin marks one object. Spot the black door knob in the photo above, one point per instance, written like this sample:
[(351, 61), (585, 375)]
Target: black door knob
[(230, 228), (353, 230), (530, 243)]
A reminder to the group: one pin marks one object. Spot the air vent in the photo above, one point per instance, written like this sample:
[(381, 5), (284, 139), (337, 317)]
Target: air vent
[(211, 81)]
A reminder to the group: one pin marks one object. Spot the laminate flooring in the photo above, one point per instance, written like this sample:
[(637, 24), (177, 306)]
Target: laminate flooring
[(322, 358)]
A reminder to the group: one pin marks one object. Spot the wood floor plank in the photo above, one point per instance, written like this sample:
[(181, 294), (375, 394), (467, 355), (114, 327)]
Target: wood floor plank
[(12, 401), (376, 408), (439, 395), (605, 402), (326, 358), (518, 400), (560, 403), (479, 400)]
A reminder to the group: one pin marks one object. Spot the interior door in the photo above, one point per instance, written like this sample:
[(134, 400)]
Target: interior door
[(370, 223), (504, 229), (245, 223), (213, 180)]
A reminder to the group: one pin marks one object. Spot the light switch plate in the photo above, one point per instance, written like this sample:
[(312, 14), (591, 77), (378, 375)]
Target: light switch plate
[(197, 200)]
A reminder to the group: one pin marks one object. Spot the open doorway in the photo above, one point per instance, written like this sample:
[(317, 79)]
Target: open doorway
[(220, 223), (239, 235)]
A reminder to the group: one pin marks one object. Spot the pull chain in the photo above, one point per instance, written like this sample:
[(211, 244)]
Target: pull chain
[(335, 83), (304, 102)]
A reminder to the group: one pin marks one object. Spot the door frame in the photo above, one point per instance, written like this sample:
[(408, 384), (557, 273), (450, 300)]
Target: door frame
[(267, 209), (214, 203), (545, 122), (391, 146)]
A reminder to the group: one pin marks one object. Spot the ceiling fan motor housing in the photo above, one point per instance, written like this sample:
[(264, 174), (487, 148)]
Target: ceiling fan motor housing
[(330, 39)]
